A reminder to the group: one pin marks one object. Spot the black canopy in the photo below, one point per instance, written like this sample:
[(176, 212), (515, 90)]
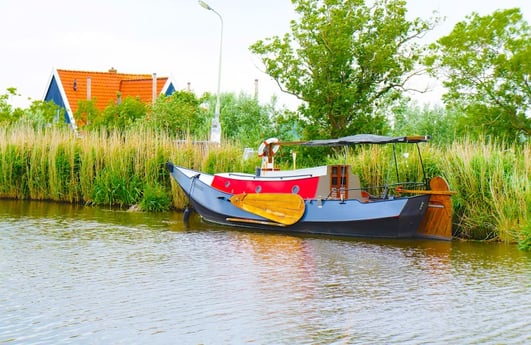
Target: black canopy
[(365, 139)]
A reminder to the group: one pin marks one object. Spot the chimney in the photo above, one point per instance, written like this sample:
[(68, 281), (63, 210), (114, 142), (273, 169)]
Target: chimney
[(154, 87), (256, 89), (89, 89), (112, 70)]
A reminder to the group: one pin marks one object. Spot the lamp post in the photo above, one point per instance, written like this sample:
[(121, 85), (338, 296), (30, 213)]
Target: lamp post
[(215, 131)]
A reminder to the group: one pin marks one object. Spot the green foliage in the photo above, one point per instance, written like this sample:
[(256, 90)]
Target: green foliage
[(62, 169), (444, 126), (41, 114), (247, 121), (87, 113), (14, 162), (119, 116), (486, 62), (112, 187), (8, 115), (155, 199), (223, 160), (180, 114), (347, 60), (244, 119), (493, 191), (287, 125), (525, 242)]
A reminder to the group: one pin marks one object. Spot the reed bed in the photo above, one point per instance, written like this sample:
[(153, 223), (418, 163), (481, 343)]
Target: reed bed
[(99, 168), (124, 169), (493, 181)]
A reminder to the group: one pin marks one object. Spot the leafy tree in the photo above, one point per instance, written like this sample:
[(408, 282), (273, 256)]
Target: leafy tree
[(441, 124), (87, 114), (348, 61), (121, 115), (42, 113), (179, 113), (244, 119), (487, 65), (286, 125), (8, 115)]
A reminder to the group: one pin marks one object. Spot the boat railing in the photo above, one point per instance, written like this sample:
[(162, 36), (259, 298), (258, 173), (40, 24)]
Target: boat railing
[(261, 177), (375, 192)]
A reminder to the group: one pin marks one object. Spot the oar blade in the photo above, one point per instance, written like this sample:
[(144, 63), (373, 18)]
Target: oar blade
[(282, 208)]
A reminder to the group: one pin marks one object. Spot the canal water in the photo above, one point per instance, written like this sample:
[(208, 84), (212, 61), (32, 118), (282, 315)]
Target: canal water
[(83, 275)]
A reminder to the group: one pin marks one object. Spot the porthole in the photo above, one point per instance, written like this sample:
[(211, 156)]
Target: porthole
[(258, 189), (227, 184), (295, 189)]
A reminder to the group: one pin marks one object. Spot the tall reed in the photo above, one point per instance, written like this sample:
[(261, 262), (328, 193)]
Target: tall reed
[(493, 181), (494, 189), (112, 169)]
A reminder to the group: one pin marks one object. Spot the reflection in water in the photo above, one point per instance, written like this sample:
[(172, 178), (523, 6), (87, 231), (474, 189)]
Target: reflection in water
[(80, 274)]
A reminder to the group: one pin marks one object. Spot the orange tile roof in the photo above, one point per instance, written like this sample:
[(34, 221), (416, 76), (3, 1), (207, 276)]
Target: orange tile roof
[(105, 86)]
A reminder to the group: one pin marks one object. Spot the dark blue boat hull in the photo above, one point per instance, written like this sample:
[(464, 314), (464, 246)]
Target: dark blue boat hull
[(391, 218)]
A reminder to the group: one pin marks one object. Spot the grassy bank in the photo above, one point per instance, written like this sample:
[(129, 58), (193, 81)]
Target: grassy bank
[(102, 169), (492, 180)]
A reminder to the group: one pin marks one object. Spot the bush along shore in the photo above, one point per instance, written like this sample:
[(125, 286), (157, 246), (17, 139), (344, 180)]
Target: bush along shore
[(117, 169)]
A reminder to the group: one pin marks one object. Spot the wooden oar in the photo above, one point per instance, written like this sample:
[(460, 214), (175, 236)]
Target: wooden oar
[(282, 208)]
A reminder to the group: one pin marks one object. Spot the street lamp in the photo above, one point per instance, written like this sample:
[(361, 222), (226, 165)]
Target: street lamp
[(215, 131)]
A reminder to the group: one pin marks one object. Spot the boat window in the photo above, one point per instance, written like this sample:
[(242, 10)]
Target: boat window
[(258, 189), (227, 184), (295, 189)]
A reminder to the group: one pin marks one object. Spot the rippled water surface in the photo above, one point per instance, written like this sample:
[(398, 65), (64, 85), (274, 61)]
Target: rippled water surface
[(84, 275)]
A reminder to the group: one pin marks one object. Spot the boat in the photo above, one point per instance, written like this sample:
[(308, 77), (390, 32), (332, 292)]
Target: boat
[(323, 200)]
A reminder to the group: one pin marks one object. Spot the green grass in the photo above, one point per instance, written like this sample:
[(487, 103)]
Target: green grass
[(106, 169)]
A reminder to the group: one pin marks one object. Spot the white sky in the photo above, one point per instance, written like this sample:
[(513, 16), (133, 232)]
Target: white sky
[(176, 38)]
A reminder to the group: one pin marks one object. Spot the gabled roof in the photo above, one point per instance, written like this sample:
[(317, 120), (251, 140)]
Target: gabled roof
[(66, 88), (106, 86)]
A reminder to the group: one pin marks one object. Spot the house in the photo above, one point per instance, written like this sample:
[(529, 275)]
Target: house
[(67, 88)]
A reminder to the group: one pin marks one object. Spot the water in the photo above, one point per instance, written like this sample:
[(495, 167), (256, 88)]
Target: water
[(71, 274)]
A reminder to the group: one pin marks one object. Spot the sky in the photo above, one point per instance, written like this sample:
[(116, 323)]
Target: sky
[(174, 38)]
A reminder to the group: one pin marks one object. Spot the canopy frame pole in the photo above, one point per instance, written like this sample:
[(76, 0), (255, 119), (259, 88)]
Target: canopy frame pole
[(426, 182)]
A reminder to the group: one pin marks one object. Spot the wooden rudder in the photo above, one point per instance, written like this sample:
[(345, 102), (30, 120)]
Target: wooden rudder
[(437, 222)]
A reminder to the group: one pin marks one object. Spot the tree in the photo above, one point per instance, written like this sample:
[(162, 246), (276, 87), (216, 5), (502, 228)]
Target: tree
[(346, 60), (121, 115), (487, 66), (39, 114), (180, 113), (43, 114), (244, 119), (441, 124), (87, 113), (8, 115)]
